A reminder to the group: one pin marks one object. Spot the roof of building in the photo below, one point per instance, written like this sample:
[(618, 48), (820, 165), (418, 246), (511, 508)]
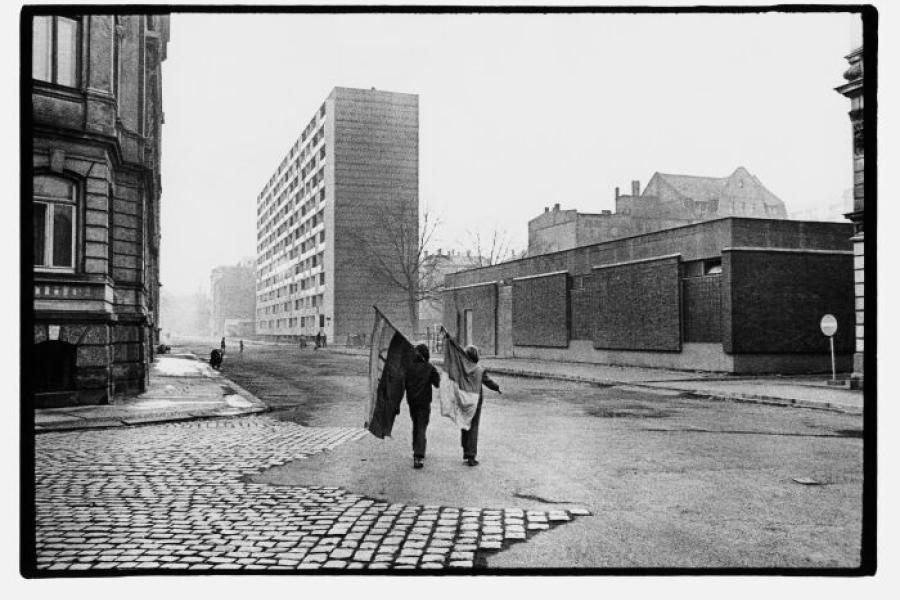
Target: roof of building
[(704, 188)]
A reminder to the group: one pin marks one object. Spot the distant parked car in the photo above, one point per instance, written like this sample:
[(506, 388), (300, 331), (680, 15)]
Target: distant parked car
[(163, 349)]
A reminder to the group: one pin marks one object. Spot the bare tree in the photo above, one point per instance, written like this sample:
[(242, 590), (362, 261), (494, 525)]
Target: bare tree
[(491, 248), (395, 254)]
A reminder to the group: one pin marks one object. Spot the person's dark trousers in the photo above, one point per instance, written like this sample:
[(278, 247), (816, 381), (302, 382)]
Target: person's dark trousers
[(469, 438), (420, 416)]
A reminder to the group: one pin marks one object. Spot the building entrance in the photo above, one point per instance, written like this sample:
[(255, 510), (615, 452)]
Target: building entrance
[(53, 372)]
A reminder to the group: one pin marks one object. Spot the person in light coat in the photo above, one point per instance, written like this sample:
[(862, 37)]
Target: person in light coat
[(469, 438)]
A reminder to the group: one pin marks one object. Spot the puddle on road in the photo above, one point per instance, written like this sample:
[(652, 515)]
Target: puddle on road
[(633, 411), (295, 414)]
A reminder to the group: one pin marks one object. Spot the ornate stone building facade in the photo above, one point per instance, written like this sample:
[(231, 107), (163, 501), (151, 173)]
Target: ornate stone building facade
[(94, 195), (853, 90)]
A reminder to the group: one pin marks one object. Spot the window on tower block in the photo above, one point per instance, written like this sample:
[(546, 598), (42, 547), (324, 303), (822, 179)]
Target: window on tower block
[(54, 223), (55, 43)]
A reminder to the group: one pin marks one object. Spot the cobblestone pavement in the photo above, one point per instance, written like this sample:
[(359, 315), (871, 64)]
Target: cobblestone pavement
[(174, 496)]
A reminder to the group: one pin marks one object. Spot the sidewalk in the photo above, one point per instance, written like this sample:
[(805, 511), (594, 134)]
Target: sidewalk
[(806, 391), (181, 388)]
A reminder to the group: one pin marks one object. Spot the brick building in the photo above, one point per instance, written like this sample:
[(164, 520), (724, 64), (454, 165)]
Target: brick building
[(853, 90), (233, 299), (442, 264), (344, 196), (667, 201), (734, 294), (95, 191)]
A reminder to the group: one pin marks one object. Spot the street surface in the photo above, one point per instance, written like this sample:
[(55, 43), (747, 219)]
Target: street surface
[(668, 481)]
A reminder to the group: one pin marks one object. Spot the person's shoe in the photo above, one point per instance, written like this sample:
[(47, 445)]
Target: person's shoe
[(471, 462), (417, 463)]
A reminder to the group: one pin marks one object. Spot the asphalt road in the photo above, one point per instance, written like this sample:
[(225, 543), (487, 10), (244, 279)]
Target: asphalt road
[(670, 481)]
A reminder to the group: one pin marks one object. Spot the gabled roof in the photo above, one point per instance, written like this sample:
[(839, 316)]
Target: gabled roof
[(707, 188)]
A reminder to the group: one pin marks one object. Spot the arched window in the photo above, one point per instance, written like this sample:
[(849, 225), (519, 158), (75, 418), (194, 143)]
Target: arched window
[(55, 50), (54, 223)]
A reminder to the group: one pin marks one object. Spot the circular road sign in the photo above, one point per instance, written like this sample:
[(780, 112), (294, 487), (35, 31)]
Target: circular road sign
[(828, 325)]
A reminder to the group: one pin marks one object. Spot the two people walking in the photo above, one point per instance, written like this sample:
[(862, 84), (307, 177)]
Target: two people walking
[(421, 377)]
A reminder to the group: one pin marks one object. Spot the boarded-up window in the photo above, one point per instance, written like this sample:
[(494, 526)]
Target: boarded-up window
[(774, 299), (540, 315), (638, 305)]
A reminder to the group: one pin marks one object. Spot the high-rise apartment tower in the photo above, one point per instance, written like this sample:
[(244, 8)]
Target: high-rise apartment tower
[(338, 213)]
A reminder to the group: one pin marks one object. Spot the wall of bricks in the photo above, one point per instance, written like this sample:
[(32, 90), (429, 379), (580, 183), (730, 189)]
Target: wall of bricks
[(482, 301), (805, 235), (639, 306), (540, 311), (581, 308), (694, 242), (702, 305), (504, 320), (773, 301)]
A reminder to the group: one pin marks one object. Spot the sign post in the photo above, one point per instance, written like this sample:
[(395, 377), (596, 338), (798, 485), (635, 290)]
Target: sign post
[(828, 325)]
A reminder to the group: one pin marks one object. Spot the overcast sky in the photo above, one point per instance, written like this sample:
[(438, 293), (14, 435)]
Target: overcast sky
[(517, 112)]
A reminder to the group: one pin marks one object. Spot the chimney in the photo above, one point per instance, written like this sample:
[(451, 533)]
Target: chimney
[(617, 193), (546, 209), (556, 207), (635, 188)]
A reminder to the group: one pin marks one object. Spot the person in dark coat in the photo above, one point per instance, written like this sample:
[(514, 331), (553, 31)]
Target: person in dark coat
[(421, 376), (469, 438)]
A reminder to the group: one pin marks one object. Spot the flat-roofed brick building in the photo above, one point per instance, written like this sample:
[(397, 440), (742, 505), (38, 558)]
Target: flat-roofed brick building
[(737, 295)]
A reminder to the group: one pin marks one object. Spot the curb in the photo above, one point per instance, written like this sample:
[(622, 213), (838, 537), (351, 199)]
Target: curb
[(141, 421), (225, 412), (700, 394)]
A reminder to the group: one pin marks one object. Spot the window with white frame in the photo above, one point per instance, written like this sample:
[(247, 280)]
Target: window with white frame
[(55, 202), (55, 43)]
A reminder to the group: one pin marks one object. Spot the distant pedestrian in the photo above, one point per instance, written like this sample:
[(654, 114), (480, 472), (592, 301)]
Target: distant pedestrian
[(421, 376), (318, 339), (469, 438), (215, 359), (242, 347), (222, 345)]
